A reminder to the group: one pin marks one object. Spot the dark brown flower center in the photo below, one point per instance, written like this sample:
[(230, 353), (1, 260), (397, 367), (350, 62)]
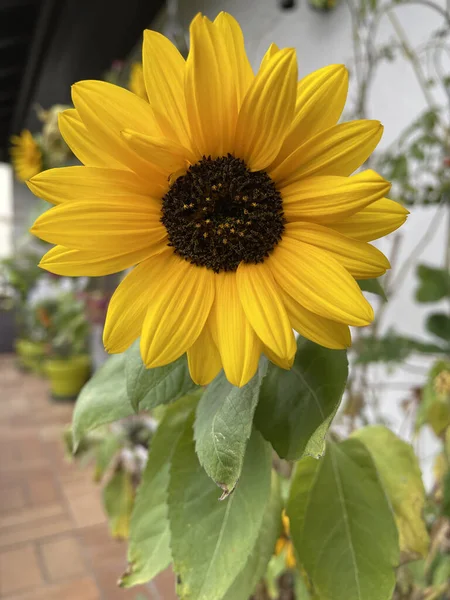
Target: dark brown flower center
[(220, 213)]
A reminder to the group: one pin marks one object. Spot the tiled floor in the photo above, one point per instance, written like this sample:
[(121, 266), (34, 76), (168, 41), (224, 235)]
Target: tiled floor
[(54, 542)]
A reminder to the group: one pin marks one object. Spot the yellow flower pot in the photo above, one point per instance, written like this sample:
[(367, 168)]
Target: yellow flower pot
[(31, 355), (67, 376)]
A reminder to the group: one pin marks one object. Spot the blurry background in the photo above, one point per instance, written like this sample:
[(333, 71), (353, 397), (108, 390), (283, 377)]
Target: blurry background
[(398, 54)]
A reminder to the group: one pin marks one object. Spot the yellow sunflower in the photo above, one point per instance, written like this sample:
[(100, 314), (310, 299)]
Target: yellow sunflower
[(230, 194), (136, 82), (284, 543), (26, 155)]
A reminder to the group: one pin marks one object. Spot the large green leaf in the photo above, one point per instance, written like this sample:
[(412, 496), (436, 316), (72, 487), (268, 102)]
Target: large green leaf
[(434, 284), (148, 388), (223, 425), (118, 495), (149, 544), (102, 400), (402, 480), (342, 525), (257, 562), (211, 540), (439, 324), (373, 286), (296, 407)]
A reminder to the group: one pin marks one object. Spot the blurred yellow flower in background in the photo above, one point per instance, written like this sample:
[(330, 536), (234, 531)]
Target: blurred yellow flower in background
[(26, 155), (232, 194), (136, 83), (284, 543)]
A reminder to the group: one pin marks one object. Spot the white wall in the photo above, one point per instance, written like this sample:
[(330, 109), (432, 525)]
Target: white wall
[(6, 210)]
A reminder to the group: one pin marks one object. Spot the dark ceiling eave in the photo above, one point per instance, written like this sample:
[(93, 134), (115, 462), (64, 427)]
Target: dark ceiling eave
[(70, 40)]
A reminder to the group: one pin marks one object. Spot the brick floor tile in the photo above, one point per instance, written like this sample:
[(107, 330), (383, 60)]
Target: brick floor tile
[(62, 558), (12, 498), (35, 530), (165, 584), (30, 515), (19, 570), (86, 508), (80, 589), (42, 488), (102, 551)]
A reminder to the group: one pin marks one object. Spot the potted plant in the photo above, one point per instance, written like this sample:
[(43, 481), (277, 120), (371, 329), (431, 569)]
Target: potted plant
[(19, 275), (68, 363)]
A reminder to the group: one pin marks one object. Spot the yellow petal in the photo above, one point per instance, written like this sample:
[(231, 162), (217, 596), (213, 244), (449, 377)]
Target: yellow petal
[(283, 363), (373, 221), (107, 110), (102, 225), (320, 101), (77, 263), (361, 260), (318, 282), (85, 148), (210, 90), (238, 344), (265, 310), (164, 72), (80, 183), (161, 152), (241, 69), (318, 329), (267, 111), (129, 303), (339, 150), (327, 199), (177, 312), (204, 358), (273, 49)]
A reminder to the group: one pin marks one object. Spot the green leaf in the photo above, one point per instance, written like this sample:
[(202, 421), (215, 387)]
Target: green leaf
[(342, 525), (391, 348), (118, 496), (446, 495), (373, 286), (296, 407), (211, 540), (257, 562), (148, 388), (102, 400), (402, 480), (434, 284), (223, 425), (439, 324), (434, 408), (104, 453), (149, 545)]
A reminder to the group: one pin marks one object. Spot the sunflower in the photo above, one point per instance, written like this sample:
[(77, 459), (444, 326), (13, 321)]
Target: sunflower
[(136, 82), (26, 155), (230, 194)]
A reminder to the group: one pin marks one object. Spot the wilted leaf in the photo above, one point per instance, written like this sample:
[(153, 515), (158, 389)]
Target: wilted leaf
[(296, 407), (400, 475), (118, 496), (342, 525)]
